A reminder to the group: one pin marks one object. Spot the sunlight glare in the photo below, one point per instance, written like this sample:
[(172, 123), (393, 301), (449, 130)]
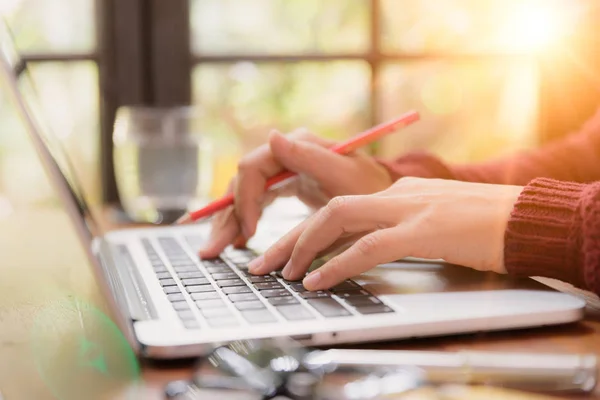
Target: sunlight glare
[(9, 6), (534, 27), (6, 208)]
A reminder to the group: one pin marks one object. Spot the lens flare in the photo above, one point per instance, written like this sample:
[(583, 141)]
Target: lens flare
[(535, 26)]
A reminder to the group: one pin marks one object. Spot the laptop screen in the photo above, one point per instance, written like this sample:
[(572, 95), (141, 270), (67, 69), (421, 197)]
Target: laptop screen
[(34, 121)]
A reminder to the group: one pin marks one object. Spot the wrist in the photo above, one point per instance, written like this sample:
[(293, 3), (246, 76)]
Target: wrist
[(540, 238), (418, 165)]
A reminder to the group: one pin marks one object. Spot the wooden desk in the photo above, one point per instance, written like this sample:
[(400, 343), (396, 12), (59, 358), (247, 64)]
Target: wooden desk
[(41, 261)]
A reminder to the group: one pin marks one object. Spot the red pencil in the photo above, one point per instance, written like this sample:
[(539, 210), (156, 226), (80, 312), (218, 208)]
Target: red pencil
[(349, 146)]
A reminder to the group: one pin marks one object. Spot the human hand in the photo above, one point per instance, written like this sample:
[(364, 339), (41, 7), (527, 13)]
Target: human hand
[(322, 175), (462, 223)]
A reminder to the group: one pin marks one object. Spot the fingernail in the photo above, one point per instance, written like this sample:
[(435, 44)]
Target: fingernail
[(285, 140), (312, 280), (256, 264), (204, 251), (287, 270)]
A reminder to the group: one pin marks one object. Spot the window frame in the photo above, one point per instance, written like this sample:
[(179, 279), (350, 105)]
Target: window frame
[(144, 57)]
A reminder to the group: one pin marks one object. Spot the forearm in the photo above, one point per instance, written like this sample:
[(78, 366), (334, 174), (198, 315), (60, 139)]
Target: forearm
[(575, 158), (553, 232)]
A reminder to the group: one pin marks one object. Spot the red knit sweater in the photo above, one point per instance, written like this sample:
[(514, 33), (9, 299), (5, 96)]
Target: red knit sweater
[(554, 229)]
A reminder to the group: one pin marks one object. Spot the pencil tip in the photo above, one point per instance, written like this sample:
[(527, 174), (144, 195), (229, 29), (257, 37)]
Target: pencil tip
[(184, 219)]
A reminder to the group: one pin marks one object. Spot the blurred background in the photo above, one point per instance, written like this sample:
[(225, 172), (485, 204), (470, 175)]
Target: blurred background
[(488, 76)]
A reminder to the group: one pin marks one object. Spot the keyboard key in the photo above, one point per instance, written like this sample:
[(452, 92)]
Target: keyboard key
[(268, 285), (236, 289), (314, 295), (161, 268), (218, 269), (231, 282), (377, 309), (275, 293), (264, 278), (210, 303), (191, 323), (175, 297), (177, 256), (186, 314), (295, 312), (167, 282), (249, 305), (259, 316), (363, 301), (163, 275), (345, 286), (352, 293), (182, 263), (246, 273), (191, 268), (222, 322), (195, 281), (200, 288), (280, 301), (215, 312), (190, 275), (225, 275), (297, 287), (171, 289), (328, 307), (205, 296), (235, 298), (213, 262), (279, 273), (180, 305)]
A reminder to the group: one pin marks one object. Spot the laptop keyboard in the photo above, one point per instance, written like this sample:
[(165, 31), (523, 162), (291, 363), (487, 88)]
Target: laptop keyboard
[(220, 293)]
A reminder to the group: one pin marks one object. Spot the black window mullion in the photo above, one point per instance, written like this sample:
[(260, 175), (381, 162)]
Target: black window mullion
[(123, 77), (171, 64)]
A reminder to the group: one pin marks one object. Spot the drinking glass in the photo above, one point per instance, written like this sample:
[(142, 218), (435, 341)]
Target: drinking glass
[(163, 162)]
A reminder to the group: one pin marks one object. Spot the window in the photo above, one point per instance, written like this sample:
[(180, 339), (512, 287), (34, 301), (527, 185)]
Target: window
[(470, 67), (58, 40)]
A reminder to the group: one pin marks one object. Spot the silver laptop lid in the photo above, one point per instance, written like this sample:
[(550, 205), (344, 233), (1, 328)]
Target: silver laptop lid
[(49, 148), (62, 176)]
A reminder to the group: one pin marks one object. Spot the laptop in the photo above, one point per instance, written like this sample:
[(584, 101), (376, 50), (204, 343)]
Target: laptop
[(170, 304)]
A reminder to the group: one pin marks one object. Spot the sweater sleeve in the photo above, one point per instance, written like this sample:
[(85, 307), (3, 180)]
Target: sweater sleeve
[(554, 228), (553, 232), (574, 158)]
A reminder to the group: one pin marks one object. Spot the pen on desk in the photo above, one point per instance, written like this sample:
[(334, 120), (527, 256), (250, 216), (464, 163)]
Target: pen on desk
[(349, 146), (524, 371)]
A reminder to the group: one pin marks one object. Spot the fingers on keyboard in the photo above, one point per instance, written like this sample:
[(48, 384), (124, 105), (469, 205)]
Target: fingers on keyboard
[(256, 299)]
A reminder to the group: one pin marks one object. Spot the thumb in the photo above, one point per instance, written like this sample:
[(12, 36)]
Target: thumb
[(311, 157)]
